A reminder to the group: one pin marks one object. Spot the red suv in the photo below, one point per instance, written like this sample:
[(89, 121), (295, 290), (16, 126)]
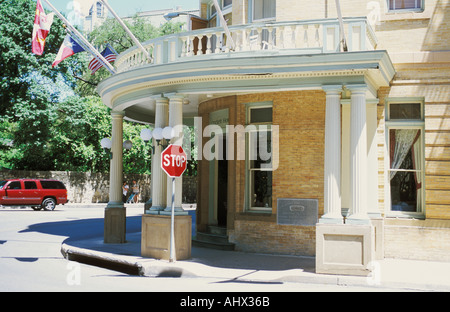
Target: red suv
[(35, 193)]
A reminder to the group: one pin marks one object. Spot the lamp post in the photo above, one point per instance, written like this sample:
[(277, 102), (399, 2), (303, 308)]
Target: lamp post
[(106, 144), (162, 136), (172, 15)]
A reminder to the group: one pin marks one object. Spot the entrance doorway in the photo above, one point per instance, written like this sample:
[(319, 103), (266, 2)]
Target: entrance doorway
[(222, 186), (218, 181)]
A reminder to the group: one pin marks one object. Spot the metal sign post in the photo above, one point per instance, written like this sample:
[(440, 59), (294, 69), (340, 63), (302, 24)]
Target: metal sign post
[(172, 257), (173, 162)]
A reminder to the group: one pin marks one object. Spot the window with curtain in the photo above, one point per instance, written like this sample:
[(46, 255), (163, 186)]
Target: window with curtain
[(264, 9), (405, 172), (405, 141), (405, 5)]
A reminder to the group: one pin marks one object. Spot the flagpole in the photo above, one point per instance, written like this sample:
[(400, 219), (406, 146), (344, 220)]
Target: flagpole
[(224, 22), (127, 30), (80, 37), (341, 26)]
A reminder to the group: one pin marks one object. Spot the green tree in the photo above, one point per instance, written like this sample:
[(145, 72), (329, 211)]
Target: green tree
[(79, 125), (112, 32), (16, 60), (52, 118), (29, 86)]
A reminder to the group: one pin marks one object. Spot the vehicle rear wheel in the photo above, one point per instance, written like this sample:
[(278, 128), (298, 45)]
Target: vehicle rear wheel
[(49, 204)]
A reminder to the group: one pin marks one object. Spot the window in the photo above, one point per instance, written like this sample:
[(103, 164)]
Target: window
[(264, 9), (227, 3), (395, 5), (15, 185), (30, 185), (53, 185), (99, 9), (405, 145), (259, 158)]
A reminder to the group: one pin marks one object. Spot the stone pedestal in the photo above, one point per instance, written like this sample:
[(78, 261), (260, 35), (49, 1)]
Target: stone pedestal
[(115, 225), (344, 249), (156, 237)]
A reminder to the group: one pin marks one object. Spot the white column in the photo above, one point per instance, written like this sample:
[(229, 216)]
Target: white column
[(116, 165), (332, 170), (159, 177), (176, 122), (358, 157)]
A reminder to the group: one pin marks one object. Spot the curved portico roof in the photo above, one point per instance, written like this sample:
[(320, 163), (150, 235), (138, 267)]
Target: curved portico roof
[(206, 75)]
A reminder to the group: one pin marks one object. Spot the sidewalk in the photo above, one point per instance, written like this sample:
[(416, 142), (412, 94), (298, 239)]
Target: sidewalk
[(239, 266)]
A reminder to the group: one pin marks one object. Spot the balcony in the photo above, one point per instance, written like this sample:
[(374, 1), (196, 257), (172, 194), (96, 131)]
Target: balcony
[(268, 57), (299, 37)]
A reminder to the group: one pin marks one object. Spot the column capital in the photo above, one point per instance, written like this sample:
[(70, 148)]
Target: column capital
[(117, 114), (332, 89), (162, 100), (176, 97), (357, 88)]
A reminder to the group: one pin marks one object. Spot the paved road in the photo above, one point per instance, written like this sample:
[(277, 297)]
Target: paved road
[(30, 258)]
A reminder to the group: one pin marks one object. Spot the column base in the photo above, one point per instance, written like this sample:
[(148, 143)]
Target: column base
[(115, 225), (113, 204), (358, 219), (154, 210), (331, 219), (155, 241), (344, 249), (179, 211)]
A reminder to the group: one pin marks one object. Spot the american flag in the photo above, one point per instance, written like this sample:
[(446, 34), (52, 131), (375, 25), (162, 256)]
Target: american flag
[(108, 54)]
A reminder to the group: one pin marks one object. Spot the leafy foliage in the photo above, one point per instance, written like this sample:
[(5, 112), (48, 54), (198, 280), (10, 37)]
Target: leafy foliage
[(52, 118), (16, 60)]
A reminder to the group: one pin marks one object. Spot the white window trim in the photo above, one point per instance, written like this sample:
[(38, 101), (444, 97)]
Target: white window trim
[(225, 10), (419, 9), (403, 124), (268, 19), (248, 170)]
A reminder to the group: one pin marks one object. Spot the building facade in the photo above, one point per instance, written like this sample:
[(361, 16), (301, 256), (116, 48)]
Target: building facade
[(89, 14), (320, 148)]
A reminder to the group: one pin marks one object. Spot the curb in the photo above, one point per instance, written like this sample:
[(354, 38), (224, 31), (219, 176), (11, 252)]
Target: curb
[(138, 266)]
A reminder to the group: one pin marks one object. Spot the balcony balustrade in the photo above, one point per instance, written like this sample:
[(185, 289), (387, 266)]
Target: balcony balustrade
[(298, 37)]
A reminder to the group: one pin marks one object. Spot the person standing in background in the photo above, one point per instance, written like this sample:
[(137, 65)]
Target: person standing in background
[(135, 190), (125, 188)]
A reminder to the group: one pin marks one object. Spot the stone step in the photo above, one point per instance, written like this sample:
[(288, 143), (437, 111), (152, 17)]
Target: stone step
[(212, 238), (217, 230), (215, 238), (217, 246)]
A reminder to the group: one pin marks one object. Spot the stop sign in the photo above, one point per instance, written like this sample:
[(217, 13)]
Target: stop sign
[(173, 161)]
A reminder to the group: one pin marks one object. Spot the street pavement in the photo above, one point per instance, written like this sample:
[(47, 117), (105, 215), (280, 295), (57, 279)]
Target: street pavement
[(234, 266)]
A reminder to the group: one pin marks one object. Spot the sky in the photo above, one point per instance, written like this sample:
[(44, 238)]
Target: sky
[(129, 7)]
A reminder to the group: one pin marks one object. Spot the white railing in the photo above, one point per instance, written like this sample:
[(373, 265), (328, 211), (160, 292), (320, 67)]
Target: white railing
[(299, 37)]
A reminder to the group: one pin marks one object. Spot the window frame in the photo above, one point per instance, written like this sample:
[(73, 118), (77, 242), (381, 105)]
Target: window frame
[(420, 8), (267, 19), (225, 10), (249, 171), (400, 124)]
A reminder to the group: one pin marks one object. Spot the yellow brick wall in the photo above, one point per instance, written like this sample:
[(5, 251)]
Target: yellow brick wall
[(268, 237), (300, 116)]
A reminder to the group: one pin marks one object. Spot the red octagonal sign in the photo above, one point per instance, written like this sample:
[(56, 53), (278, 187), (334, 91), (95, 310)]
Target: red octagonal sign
[(173, 161)]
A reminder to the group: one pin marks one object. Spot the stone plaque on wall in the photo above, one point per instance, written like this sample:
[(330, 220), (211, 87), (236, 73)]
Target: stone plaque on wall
[(297, 211)]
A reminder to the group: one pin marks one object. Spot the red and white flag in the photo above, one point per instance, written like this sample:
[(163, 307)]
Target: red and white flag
[(42, 24), (108, 54)]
